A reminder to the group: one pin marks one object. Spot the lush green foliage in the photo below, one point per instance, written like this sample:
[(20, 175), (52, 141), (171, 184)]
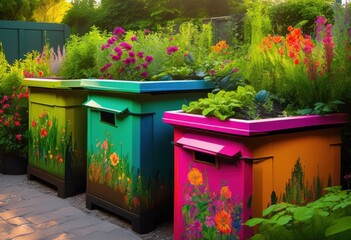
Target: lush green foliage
[(326, 218), (224, 104), (307, 71), (20, 10), (132, 55), (300, 13), (51, 10), (13, 110), (81, 55)]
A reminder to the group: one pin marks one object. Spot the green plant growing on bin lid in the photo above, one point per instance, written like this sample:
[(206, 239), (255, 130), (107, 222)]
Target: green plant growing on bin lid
[(81, 55), (242, 103), (160, 55), (329, 217)]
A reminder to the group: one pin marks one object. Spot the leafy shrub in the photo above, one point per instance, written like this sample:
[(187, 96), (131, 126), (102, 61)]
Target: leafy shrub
[(329, 217), (81, 55)]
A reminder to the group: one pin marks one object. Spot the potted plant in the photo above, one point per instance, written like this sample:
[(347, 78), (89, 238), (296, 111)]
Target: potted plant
[(300, 76), (13, 120)]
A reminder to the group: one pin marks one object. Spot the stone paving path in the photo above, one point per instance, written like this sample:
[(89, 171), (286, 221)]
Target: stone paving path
[(28, 214)]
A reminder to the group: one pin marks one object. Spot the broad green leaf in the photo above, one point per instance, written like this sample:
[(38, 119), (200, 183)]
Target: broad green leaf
[(268, 210), (284, 219), (207, 111), (339, 225), (332, 198), (303, 213), (254, 221)]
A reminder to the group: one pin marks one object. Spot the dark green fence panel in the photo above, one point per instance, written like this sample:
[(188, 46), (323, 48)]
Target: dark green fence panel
[(19, 38)]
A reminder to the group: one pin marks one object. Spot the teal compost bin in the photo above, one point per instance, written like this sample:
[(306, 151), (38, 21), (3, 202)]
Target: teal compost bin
[(130, 154)]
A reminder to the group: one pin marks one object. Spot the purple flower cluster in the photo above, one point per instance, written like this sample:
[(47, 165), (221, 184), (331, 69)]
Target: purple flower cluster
[(320, 23), (171, 50), (328, 47), (122, 52)]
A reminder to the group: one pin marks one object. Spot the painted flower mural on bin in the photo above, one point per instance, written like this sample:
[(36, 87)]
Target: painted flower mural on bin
[(208, 214)]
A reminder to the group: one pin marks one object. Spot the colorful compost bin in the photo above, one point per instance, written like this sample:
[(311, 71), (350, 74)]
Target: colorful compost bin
[(130, 155), (229, 171), (57, 134)]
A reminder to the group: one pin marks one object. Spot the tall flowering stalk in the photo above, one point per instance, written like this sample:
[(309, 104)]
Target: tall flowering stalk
[(305, 71)]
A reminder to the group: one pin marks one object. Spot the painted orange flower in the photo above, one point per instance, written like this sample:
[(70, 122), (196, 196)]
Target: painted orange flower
[(223, 222), (225, 192), (43, 132), (43, 115), (114, 159), (104, 144), (195, 177)]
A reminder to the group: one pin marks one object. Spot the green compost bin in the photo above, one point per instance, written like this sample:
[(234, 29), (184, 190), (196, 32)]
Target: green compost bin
[(130, 152), (57, 134)]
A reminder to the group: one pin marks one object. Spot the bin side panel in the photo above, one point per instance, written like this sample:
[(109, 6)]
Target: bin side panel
[(303, 164), (207, 193), (57, 133)]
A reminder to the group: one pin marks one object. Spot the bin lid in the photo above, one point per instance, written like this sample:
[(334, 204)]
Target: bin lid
[(95, 105), (253, 127), (145, 86), (52, 83)]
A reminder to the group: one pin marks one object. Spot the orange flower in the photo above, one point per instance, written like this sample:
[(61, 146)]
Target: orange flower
[(296, 61), (219, 46), (290, 28), (104, 145), (34, 123), (50, 123), (223, 222), (40, 73), (114, 159), (195, 177), (225, 192), (277, 39), (43, 115), (43, 133)]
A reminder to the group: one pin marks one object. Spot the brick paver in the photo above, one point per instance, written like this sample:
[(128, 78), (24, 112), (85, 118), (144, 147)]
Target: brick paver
[(27, 214)]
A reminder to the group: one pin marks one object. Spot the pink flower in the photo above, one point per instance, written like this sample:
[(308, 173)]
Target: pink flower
[(111, 40), (118, 31), (235, 70), (172, 49), (126, 46), (129, 60), (140, 54), (19, 137), (17, 123), (104, 68), (144, 74), (147, 31), (145, 65), (118, 50), (133, 38), (105, 46), (131, 54), (212, 72), (149, 58)]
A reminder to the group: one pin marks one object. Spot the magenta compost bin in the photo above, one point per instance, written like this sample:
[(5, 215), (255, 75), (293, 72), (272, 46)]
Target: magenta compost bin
[(227, 171)]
